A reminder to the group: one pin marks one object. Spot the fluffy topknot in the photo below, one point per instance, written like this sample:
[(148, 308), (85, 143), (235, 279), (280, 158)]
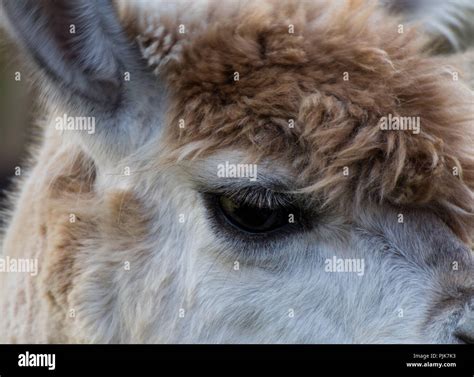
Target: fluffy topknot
[(308, 83)]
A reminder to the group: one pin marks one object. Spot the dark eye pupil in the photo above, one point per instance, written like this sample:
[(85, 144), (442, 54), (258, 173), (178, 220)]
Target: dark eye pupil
[(253, 219)]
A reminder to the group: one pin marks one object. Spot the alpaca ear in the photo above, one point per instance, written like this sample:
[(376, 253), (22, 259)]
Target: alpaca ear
[(79, 45)]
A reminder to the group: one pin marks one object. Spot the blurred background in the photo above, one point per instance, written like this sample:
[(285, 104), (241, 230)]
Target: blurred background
[(16, 102)]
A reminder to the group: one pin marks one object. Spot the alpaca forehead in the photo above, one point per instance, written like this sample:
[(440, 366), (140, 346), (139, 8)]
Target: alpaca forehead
[(255, 34), (250, 75), (312, 97)]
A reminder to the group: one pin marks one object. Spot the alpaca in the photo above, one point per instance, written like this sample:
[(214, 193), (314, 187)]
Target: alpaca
[(216, 172)]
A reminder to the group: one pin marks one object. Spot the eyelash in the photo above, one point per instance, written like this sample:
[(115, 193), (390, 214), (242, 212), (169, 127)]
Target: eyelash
[(261, 198)]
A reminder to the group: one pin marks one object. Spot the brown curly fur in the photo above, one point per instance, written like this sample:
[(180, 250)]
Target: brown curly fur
[(299, 77)]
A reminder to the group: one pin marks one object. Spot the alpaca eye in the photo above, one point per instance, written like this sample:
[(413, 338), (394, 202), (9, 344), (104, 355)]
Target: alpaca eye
[(253, 219)]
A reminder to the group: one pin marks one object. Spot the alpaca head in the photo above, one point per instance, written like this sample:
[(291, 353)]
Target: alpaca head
[(249, 183)]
